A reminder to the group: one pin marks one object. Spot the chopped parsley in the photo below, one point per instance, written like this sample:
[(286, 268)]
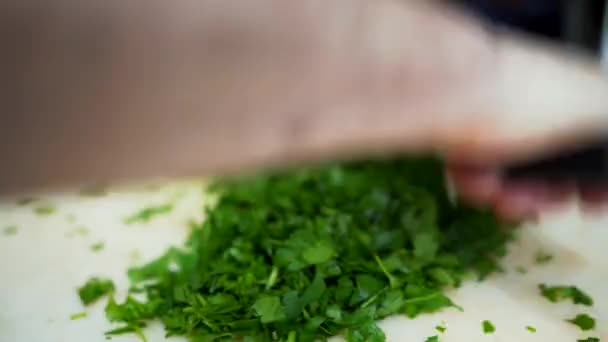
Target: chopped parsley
[(543, 257), (45, 210), (146, 214), (531, 329), (488, 327), (94, 289), (10, 230), (583, 321), (78, 315), (560, 293), (306, 254), (432, 339), (590, 339), (441, 328), (98, 246)]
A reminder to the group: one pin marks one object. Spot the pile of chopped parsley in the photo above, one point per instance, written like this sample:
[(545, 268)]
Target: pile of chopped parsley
[(309, 253)]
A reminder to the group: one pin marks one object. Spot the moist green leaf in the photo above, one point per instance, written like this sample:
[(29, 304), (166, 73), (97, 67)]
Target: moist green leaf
[(146, 214), (590, 339), (432, 339), (488, 327), (531, 329), (94, 289), (309, 253), (318, 253), (269, 309), (583, 321), (560, 293)]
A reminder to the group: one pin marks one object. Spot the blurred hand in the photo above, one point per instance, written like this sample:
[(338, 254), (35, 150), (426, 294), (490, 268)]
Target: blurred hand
[(115, 90), (517, 200)]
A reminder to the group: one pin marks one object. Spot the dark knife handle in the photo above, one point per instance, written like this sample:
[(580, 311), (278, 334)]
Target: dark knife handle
[(585, 166)]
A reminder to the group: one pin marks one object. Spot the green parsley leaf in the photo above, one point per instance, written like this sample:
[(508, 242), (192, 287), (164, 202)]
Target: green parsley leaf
[(94, 289), (432, 339), (560, 293), (590, 339), (146, 214), (78, 316), (269, 309), (488, 327), (531, 329), (583, 321)]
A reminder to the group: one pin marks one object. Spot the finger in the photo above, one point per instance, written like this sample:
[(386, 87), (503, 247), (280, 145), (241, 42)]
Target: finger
[(594, 199), (477, 185), (523, 202)]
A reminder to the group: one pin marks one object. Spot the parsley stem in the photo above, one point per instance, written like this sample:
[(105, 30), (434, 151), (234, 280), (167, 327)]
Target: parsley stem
[(272, 279)]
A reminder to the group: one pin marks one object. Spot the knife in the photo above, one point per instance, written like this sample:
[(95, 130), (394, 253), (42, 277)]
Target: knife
[(585, 166)]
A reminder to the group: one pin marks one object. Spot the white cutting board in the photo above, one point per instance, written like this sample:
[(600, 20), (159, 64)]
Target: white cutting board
[(49, 256)]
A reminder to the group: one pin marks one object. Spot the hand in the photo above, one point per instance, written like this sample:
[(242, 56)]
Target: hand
[(517, 200), (205, 87)]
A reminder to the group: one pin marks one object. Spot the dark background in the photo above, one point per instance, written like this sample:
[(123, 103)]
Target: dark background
[(575, 21)]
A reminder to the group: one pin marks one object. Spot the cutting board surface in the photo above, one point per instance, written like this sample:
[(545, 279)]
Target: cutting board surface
[(49, 256)]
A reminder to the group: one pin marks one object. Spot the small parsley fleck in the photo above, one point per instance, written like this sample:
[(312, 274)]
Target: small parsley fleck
[(97, 247), (583, 321), (531, 329), (560, 293), (45, 210), (94, 289), (488, 327), (146, 214), (78, 315), (543, 257)]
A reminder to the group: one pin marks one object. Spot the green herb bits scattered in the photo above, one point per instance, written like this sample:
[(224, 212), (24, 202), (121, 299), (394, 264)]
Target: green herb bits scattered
[(309, 253)]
